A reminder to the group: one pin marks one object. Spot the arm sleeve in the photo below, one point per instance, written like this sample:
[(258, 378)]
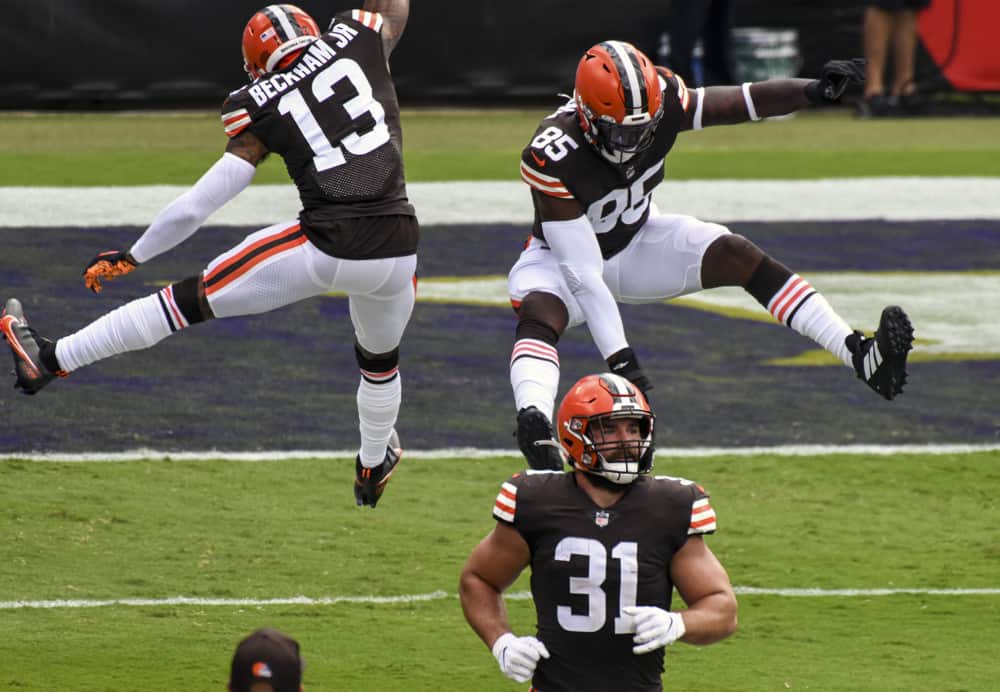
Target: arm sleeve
[(575, 246), (181, 218)]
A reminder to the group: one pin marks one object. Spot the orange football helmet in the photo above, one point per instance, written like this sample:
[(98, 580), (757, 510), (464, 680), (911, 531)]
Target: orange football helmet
[(272, 35), (618, 99), (583, 434)]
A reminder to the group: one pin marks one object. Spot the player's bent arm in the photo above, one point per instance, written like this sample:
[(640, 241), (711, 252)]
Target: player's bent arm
[(394, 15), (248, 147), (230, 175), (574, 245), (491, 568), (703, 583)]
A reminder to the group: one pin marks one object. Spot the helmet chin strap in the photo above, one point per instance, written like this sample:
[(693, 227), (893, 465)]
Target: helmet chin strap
[(602, 480)]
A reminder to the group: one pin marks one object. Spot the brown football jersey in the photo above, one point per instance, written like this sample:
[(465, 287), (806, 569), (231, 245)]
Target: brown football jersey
[(588, 563), (560, 162), (333, 117)]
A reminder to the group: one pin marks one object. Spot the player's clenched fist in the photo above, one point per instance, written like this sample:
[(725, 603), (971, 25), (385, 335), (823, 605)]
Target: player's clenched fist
[(107, 265), (518, 656), (654, 627)]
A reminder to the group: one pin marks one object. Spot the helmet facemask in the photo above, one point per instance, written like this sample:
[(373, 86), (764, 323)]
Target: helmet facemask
[(607, 454), (626, 138)]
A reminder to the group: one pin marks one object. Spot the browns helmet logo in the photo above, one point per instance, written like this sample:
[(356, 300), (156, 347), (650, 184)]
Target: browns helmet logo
[(273, 35)]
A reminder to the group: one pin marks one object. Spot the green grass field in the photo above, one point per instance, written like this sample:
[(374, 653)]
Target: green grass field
[(158, 148), (260, 530), (274, 530)]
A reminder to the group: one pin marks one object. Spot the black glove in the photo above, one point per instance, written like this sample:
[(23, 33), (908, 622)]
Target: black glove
[(834, 79), (625, 363), (107, 265)]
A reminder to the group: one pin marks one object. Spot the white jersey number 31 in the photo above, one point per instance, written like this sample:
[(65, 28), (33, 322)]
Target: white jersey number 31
[(627, 553)]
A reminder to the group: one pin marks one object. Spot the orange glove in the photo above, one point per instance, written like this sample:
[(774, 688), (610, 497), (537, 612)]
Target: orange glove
[(107, 265)]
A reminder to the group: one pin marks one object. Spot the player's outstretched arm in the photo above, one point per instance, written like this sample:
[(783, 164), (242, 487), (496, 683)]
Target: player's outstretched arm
[(729, 105), (395, 14), (230, 175), (574, 244)]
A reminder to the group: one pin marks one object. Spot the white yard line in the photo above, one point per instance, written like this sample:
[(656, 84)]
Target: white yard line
[(440, 595), (840, 199), (475, 453)]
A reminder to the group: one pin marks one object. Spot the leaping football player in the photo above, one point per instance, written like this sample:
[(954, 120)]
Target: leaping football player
[(599, 240), (326, 104)]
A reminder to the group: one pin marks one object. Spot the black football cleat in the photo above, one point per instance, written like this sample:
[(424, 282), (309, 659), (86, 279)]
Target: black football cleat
[(25, 345), (881, 360), (534, 437), (369, 483)]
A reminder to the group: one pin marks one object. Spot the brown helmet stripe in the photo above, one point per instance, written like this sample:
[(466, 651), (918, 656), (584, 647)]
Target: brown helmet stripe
[(283, 22), (630, 74)]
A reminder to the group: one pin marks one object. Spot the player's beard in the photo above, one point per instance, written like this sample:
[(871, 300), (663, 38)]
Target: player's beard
[(612, 478)]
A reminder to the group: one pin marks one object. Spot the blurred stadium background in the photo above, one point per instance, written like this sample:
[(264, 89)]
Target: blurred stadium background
[(167, 53), (859, 568)]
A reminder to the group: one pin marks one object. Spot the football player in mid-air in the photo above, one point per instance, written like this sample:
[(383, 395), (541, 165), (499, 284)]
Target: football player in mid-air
[(325, 102), (598, 239), (607, 544)]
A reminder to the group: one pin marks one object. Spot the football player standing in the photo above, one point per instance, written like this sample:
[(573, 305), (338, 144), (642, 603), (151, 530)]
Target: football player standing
[(598, 239), (607, 544), (326, 104)]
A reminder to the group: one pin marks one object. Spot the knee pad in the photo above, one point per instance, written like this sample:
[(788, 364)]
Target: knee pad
[(190, 300), (530, 328), (381, 363)]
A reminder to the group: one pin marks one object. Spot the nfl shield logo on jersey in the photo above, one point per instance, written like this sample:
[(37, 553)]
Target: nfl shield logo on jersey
[(601, 518)]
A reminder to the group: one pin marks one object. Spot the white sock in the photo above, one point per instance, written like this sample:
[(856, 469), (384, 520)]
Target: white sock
[(817, 320), (800, 306), (534, 375), (379, 395), (135, 325)]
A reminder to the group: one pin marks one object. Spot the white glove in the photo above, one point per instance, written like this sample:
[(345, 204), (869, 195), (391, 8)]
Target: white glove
[(518, 656), (654, 627)]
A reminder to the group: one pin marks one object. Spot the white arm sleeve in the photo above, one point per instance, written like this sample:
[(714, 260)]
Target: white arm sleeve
[(181, 218), (574, 245)]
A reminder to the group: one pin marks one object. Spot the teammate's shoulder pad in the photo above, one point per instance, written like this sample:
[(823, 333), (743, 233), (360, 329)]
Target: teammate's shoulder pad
[(366, 18), (680, 483), (235, 116), (672, 84)]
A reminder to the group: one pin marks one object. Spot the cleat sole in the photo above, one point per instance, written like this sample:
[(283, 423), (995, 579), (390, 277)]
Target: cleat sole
[(895, 334)]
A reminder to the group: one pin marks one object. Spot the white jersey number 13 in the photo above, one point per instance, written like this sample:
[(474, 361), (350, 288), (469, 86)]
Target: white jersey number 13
[(328, 155)]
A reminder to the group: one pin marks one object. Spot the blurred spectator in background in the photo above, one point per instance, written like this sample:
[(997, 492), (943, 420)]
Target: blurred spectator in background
[(266, 661), (709, 21), (890, 25)]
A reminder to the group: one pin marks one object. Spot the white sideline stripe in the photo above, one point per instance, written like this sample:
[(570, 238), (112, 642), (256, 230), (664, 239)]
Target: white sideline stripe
[(474, 453), (440, 595), (951, 325), (757, 591), (895, 199)]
